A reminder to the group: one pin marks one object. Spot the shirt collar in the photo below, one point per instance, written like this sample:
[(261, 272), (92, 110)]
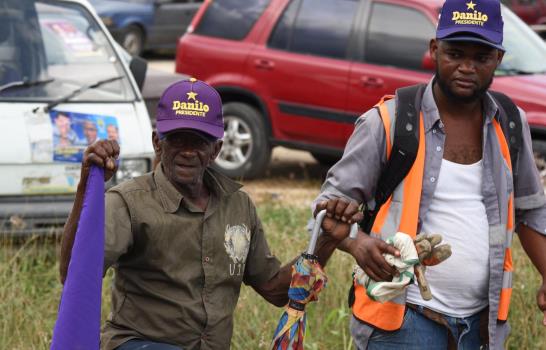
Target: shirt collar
[(431, 114), (171, 199)]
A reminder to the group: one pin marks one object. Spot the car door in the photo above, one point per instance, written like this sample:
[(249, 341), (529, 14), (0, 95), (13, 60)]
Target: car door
[(395, 40), (171, 18), (303, 69)]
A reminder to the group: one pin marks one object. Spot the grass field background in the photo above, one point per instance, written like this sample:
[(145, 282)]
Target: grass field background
[(30, 291)]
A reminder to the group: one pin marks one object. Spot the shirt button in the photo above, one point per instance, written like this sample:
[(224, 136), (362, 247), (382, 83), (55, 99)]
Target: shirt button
[(438, 148), (207, 259), (434, 131), (432, 179)]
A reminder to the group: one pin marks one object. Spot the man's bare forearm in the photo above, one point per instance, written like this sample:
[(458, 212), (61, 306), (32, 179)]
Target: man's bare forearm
[(534, 244), (70, 228), (275, 290)]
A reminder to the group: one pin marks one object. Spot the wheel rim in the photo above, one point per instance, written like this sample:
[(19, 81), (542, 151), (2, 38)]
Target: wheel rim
[(238, 144), (131, 42)]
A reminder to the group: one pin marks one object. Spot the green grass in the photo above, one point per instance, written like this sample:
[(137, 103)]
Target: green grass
[(29, 290)]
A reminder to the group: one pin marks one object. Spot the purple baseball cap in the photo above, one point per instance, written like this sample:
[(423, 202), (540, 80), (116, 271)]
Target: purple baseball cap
[(471, 20), (190, 104)]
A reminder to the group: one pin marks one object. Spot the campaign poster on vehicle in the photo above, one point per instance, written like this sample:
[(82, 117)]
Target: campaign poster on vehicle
[(73, 132), (73, 39)]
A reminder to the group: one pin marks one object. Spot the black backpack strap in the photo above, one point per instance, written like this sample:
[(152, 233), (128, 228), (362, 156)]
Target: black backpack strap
[(510, 121), (404, 149)]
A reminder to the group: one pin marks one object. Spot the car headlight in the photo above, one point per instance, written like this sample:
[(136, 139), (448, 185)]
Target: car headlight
[(129, 168), (108, 21)]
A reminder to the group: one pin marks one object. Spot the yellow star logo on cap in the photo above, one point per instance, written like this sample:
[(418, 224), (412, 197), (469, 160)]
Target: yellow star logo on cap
[(470, 5), (191, 95)]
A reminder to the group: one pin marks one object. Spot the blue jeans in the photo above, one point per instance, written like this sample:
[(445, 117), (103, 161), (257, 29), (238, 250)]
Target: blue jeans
[(418, 332), (138, 344)]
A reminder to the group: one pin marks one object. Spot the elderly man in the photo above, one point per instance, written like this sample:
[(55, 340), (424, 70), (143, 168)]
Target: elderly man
[(463, 184), (183, 238)]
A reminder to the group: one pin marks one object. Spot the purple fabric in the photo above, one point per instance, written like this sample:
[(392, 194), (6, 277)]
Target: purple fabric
[(190, 104), (78, 322), (471, 20)]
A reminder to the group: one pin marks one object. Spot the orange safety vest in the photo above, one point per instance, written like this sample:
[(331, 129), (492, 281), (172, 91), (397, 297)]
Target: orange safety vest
[(402, 215)]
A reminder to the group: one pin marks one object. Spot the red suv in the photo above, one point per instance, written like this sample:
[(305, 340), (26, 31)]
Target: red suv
[(532, 12), (298, 73)]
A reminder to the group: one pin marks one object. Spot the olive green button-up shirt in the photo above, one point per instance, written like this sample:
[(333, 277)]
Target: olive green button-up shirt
[(178, 270)]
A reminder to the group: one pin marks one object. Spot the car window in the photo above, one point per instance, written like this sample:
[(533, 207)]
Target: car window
[(230, 19), (59, 42), (397, 36), (525, 50), (320, 28)]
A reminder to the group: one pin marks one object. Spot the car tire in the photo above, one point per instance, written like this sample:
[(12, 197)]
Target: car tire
[(325, 159), (132, 40), (246, 150)]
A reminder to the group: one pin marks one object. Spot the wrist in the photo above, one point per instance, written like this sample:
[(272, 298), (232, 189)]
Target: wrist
[(326, 238), (347, 246)]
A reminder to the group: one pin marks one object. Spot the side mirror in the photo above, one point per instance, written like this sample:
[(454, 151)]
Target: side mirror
[(138, 67), (427, 63)]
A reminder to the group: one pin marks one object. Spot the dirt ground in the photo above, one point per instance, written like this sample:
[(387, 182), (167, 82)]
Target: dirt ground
[(293, 177)]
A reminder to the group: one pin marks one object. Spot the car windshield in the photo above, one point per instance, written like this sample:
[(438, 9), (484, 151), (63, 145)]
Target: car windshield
[(525, 50), (48, 49)]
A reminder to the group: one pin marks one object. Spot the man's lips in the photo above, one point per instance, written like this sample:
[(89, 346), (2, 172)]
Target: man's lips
[(181, 165), (465, 83)]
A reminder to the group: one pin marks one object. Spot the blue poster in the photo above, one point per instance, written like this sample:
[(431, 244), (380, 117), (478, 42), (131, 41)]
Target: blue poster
[(73, 132)]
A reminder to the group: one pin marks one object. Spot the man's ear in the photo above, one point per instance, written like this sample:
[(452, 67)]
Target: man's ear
[(157, 149), (157, 143), (500, 55), (433, 50), (217, 147)]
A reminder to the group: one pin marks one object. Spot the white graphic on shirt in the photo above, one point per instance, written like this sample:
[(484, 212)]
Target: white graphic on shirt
[(237, 243)]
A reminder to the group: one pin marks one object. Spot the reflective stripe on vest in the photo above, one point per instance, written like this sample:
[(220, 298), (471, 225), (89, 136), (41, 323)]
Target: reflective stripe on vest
[(401, 213), (506, 291), (391, 218)]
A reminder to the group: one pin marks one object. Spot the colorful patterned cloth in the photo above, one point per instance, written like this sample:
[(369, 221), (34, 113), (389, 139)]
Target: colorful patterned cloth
[(308, 279)]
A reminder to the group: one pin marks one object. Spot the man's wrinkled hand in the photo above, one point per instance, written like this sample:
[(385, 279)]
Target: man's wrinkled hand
[(340, 215), (104, 154)]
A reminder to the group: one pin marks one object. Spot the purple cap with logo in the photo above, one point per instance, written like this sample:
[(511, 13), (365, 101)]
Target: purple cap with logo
[(471, 20), (190, 104)]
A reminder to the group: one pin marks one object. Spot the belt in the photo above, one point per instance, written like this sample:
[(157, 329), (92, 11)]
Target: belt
[(440, 318)]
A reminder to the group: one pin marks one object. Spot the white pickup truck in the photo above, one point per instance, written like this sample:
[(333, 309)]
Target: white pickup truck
[(63, 85)]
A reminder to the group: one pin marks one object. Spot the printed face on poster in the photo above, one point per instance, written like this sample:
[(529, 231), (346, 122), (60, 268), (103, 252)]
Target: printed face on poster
[(73, 132)]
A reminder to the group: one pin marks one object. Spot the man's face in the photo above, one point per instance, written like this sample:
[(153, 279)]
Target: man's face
[(90, 132), (185, 155), (63, 125), (112, 132), (464, 70)]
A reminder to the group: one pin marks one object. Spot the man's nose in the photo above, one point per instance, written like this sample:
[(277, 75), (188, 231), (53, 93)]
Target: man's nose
[(187, 150), (467, 66)]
